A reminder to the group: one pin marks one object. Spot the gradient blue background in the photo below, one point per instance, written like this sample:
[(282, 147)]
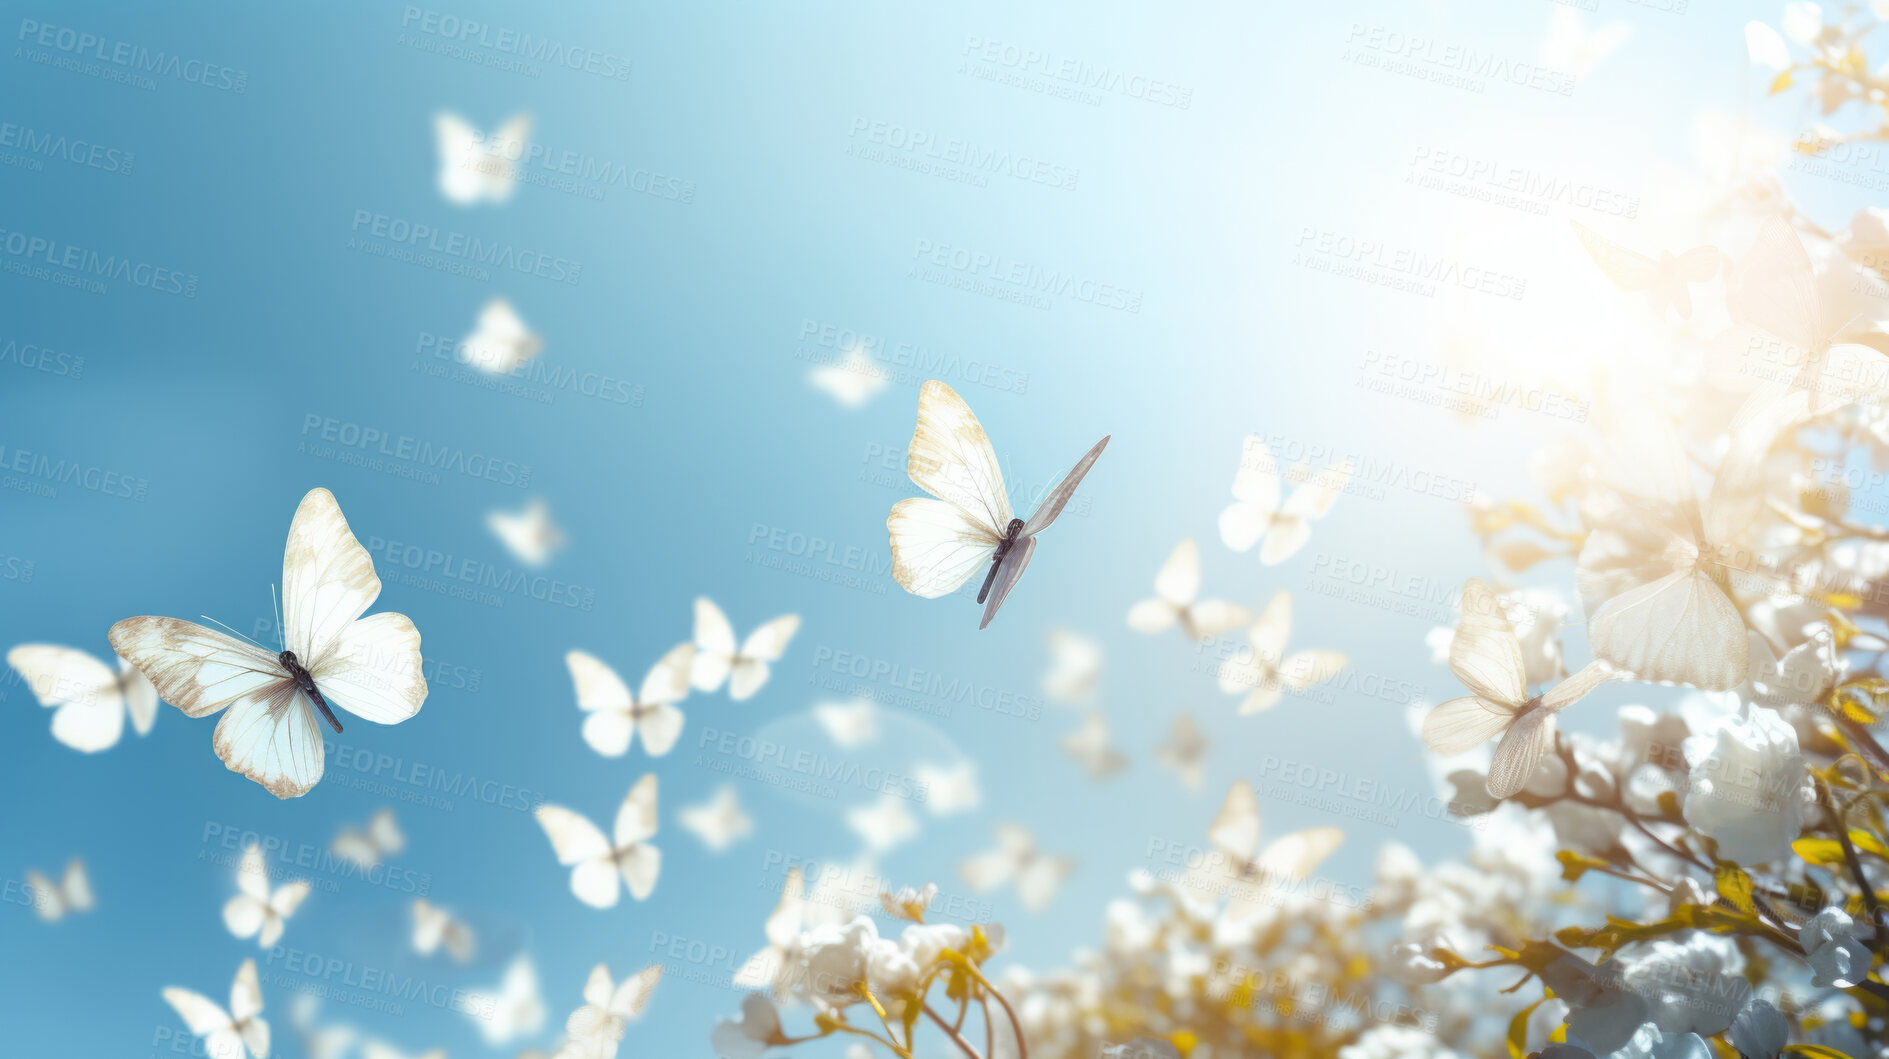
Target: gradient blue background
[(701, 306)]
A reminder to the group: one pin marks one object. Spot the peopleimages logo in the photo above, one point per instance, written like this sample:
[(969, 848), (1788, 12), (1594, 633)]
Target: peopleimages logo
[(517, 43), (133, 57), (55, 254)]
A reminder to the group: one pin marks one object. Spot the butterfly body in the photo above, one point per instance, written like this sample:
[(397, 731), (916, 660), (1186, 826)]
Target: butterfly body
[(1003, 549), (304, 680)]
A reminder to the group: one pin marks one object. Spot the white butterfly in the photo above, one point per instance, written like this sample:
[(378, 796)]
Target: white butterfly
[(515, 1009), (1266, 678), (72, 894), (768, 969), (940, 544), (1257, 512), (1572, 48), (1175, 589), (529, 535), (745, 670), (1075, 663), (718, 822), (596, 861), (256, 910), (848, 724), (1016, 858), (319, 1041), (473, 167), (434, 927), (852, 382), (597, 1028), (950, 789), (500, 343), (1486, 656), (1185, 751), (88, 700), (226, 1033), (1239, 868), (613, 719), (1089, 746), (370, 667), (1667, 282), (376, 842), (883, 824)]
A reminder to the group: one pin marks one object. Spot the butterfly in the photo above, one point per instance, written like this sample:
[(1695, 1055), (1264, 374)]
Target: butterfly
[(1175, 588), (949, 789), (319, 1041), (500, 343), (1271, 672), (1088, 745), (514, 1009), (1486, 656), (434, 927), (597, 1028), (717, 660), (370, 667), (1666, 282), (72, 894), (1256, 510), (473, 167), (613, 719), (852, 382), (768, 969), (1239, 868), (1037, 876), (226, 1033), (89, 701), (1185, 751), (529, 535), (848, 724), (884, 824), (718, 822), (376, 842), (256, 910), (1075, 663), (596, 861), (938, 544)]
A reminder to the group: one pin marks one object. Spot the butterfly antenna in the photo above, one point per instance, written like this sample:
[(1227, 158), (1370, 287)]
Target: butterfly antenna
[(213, 621), (281, 634)]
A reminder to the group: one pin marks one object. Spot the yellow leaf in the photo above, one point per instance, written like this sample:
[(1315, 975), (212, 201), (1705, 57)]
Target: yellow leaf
[(1518, 1031), (1815, 1051), (1734, 886), (1782, 82), (1822, 852)]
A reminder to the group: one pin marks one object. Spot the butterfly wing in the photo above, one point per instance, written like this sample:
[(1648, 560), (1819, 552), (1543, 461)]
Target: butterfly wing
[(609, 725), (639, 862), (75, 887), (500, 345), (1300, 853), (1235, 828), (1680, 628), (582, 847), (374, 669), (632, 995), (140, 697), (1175, 586), (1774, 289), (195, 669), (328, 579), (89, 710), (206, 1019), (937, 546), (1462, 723), (950, 457), (764, 645), (1629, 270), (1519, 752), (1053, 504), (1485, 654), (714, 645), (1009, 572)]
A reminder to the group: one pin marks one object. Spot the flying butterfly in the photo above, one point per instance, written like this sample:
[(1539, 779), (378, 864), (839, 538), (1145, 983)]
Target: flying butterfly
[(434, 927), (1176, 588), (1667, 282), (256, 910), (89, 701), (596, 862), (613, 719), (370, 667), (226, 1033), (597, 1028), (939, 544), (73, 893), (475, 167), (1037, 875), (1257, 511), (744, 669), (1240, 869), (367, 847)]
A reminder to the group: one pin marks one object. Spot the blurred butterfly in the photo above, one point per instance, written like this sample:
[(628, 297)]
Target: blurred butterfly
[(1088, 745), (256, 910), (72, 894), (598, 1028), (1075, 663), (529, 535), (319, 1041), (939, 544), (1486, 656), (596, 861), (1185, 750), (370, 667), (226, 1033), (434, 927), (514, 1010), (766, 969), (949, 789), (1266, 678), (500, 343), (613, 719), (368, 847), (1238, 867), (373, 1049), (1037, 876), (852, 382), (1256, 510), (884, 824), (1667, 282), (718, 822), (717, 660), (1175, 588), (473, 167), (848, 724), (89, 701), (1572, 48)]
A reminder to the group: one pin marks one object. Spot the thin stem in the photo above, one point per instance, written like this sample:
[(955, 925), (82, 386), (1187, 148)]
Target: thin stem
[(1855, 862), (956, 1039), (1016, 1027)]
